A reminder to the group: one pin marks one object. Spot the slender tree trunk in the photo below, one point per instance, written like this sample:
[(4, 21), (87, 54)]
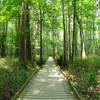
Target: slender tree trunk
[(82, 53), (76, 39), (93, 49), (69, 31), (67, 38), (74, 30), (41, 26), (4, 37), (53, 32), (81, 36), (64, 31), (28, 41), (17, 26)]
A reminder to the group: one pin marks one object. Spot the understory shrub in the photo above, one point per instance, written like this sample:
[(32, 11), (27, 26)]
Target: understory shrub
[(59, 60), (12, 77), (37, 60), (11, 81), (85, 72)]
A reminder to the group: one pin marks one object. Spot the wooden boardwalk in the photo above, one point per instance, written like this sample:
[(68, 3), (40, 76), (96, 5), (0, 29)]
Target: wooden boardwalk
[(48, 84)]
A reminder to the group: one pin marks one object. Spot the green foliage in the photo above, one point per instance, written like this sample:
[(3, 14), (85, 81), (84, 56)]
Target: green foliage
[(11, 77), (11, 81), (37, 60), (57, 57), (85, 72)]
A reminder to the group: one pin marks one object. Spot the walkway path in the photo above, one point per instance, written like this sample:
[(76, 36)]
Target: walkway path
[(48, 84)]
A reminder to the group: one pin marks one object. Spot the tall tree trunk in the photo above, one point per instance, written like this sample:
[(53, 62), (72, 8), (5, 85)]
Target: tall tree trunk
[(17, 27), (25, 44), (53, 32), (82, 53), (66, 38), (76, 39), (4, 37), (23, 35), (74, 30), (41, 26), (4, 34), (64, 31), (28, 41), (69, 31), (93, 49)]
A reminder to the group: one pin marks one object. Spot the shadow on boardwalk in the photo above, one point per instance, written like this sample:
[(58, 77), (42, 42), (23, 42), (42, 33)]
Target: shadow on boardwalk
[(48, 84)]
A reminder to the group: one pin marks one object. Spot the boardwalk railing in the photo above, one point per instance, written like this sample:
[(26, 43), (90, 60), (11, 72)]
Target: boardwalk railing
[(24, 85), (72, 87)]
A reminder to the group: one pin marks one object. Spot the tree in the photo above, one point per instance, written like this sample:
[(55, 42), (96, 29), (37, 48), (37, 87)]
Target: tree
[(25, 44), (64, 33)]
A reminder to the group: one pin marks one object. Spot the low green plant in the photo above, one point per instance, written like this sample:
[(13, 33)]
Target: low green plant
[(85, 72), (12, 76)]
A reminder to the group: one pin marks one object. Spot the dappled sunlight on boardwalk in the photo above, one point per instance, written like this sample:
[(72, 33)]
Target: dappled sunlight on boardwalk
[(48, 84)]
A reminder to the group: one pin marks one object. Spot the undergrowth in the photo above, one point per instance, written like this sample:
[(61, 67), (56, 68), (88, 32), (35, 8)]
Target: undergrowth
[(84, 75), (12, 76)]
